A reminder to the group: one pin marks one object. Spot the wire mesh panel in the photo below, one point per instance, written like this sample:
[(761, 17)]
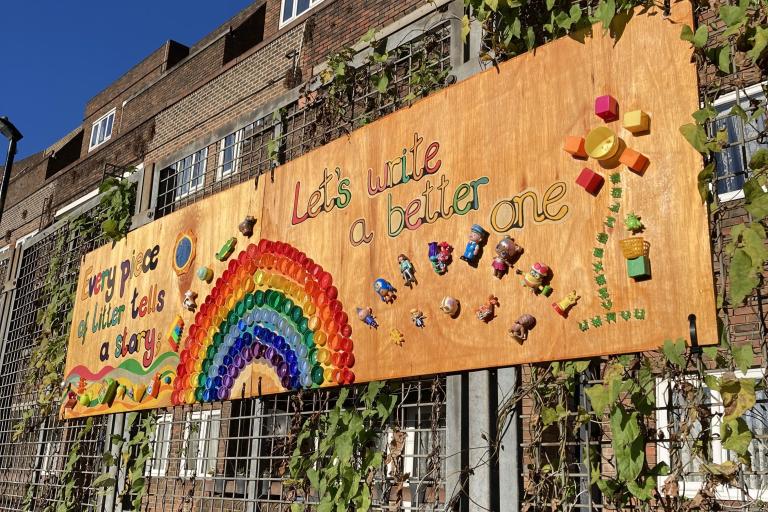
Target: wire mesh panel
[(235, 455), (33, 459)]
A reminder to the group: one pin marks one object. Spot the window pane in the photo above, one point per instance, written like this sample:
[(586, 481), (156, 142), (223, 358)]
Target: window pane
[(192, 453), (287, 9), (108, 122), (301, 6), (94, 134)]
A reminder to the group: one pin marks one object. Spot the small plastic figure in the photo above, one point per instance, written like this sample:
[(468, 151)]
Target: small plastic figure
[(205, 274), (449, 306), (406, 270), (385, 290), (633, 223), (521, 327), (477, 236), (507, 252), (226, 249), (440, 256), (71, 400), (535, 279), (418, 317), (246, 227), (366, 315), (487, 311), (396, 337), (189, 300), (563, 305)]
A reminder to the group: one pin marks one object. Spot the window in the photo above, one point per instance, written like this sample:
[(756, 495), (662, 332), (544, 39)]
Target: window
[(161, 444), (101, 131), (743, 140), (229, 155), (756, 480), (201, 444), (292, 9), (190, 173)]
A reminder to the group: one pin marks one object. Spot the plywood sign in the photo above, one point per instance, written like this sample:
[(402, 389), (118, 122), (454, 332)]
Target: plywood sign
[(456, 234)]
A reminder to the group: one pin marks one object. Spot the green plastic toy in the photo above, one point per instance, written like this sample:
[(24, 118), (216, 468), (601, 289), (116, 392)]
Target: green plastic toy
[(633, 223), (226, 250)]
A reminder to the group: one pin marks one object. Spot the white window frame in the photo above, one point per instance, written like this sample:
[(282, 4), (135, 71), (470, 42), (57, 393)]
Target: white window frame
[(236, 151), (161, 448), (723, 105), (199, 161), (294, 15), (207, 436), (22, 239), (97, 137), (719, 455)]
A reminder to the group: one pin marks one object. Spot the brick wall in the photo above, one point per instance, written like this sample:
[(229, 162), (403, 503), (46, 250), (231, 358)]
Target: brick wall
[(250, 83), (23, 217)]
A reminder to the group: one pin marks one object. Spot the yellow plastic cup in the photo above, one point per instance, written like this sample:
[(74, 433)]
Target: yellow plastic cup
[(601, 143)]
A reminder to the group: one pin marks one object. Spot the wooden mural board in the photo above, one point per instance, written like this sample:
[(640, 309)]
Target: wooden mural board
[(486, 151)]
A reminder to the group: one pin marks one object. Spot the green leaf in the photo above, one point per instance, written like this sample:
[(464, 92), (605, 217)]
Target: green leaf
[(759, 160), (727, 469), (644, 491), (744, 279), (758, 207), (104, 481), (492, 4), (704, 179), (674, 351), (530, 38), (738, 111), (550, 4), (382, 83), (628, 444), (724, 59), (699, 39), (759, 43), (732, 14), (705, 114), (605, 12), (314, 478), (735, 435), (368, 37), (743, 356), (738, 395), (464, 28), (696, 137), (598, 397)]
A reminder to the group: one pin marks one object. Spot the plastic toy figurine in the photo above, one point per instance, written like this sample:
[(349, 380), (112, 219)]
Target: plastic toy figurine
[(418, 317), (366, 315), (563, 305), (385, 290), (205, 274), (477, 236), (487, 311), (406, 270), (440, 256), (449, 306), (507, 252), (71, 401), (226, 249), (535, 279), (633, 223), (521, 327), (396, 337), (246, 227), (189, 300)]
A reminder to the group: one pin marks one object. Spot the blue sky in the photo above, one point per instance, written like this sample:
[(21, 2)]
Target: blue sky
[(55, 55)]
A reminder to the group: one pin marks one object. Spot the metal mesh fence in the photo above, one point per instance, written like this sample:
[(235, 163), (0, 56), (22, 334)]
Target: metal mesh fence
[(32, 462)]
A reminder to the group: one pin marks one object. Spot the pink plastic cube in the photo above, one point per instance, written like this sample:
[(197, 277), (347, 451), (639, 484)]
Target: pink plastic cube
[(607, 108)]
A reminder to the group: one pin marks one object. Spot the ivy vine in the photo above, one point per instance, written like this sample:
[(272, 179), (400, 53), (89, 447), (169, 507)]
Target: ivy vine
[(336, 454)]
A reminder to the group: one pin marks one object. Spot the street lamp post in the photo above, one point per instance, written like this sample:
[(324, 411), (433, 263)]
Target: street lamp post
[(13, 135)]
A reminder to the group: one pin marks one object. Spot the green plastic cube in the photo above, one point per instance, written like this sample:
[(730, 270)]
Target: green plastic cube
[(638, 268)]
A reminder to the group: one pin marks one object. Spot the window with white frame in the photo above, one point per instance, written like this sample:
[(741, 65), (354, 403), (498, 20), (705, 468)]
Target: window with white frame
[(101, 131), (670, 404), (201, 444), (229, 155), (739, 118), (161, 444), (292, 9), (190, 173)]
